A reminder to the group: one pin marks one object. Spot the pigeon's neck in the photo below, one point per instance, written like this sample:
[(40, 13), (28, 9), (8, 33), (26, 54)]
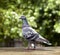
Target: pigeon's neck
[(25, 23)]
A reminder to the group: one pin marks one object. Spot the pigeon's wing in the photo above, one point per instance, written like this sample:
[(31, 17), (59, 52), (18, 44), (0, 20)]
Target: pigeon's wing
[(29, 33)]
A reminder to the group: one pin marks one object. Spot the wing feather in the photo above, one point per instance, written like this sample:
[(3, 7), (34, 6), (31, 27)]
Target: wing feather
[(29, 32)]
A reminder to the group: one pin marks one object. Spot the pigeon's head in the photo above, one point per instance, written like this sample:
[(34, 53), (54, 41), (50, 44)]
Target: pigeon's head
[(23, 17)]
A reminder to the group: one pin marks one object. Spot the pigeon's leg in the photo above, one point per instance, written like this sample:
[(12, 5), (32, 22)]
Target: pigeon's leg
[(29, 45), (33, 45)]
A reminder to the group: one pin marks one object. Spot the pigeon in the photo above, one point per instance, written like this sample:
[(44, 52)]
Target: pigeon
[(31, 35)]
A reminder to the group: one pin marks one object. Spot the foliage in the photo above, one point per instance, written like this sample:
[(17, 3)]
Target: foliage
[(42, 15)]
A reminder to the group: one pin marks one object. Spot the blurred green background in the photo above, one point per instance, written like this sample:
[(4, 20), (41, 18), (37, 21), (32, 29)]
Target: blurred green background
[(42, 15)]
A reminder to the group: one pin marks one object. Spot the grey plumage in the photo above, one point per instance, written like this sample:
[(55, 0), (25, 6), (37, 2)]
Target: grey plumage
[(30, 34)]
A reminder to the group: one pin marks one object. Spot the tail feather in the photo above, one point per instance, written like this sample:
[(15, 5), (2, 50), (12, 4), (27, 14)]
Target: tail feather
[(43, 41), (48, 43)]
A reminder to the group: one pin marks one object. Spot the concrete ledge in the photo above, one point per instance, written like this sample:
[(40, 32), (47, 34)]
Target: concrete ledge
[(25, 51)]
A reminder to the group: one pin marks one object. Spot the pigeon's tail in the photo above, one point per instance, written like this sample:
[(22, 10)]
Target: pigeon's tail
[(48, 43), (43, 40)]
